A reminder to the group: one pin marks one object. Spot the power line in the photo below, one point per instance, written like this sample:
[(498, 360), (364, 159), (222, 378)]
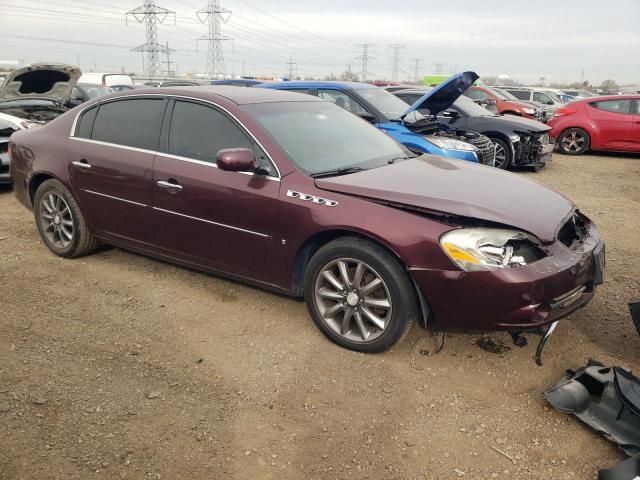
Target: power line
[(365, 58), (150, 14), (396, 59)]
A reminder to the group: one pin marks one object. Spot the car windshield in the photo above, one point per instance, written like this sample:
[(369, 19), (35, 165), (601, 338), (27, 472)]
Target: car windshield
[(385, 102), (504, 94), (554, 96), (471, 109), (320, 136), (94, 91)]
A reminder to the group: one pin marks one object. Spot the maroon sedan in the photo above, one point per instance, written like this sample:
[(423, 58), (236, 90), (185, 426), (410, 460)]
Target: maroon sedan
[(598, 123), (297, 195)]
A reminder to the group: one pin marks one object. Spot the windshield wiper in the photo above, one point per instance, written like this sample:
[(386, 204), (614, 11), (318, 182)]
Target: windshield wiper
[(402, 157), (336, 172)]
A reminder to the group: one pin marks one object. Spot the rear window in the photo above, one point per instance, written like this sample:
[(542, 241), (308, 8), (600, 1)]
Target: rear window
[(520, 94), (132, 123), (614, 106)]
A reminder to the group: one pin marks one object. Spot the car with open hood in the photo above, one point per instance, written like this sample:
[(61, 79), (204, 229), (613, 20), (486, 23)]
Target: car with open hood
[(299, 196), (519, 142), (31, 96), (404, 124)]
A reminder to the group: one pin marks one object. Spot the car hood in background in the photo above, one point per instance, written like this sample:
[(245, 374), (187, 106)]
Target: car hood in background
[(445, 186), (40, 81), (442, 97), (513, 122)]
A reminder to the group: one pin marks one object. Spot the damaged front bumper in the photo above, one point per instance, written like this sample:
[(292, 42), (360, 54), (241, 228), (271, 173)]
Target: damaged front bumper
[(520, 298), (533, 150)]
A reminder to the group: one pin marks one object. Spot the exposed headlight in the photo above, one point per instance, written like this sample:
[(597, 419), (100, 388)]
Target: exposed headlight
[(514, 138), (530, 111), (478, 249), (451, 143)]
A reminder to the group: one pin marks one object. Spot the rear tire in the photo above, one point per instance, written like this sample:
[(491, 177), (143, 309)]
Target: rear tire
[(60, 222), (574, 141), (359, 296), (503, 153)]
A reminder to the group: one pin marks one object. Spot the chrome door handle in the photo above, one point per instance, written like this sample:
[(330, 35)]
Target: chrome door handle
[(82, 165), (172, 187)]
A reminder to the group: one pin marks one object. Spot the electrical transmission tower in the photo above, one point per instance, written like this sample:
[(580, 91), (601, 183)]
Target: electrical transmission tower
[(365, 57), (292, 67), (416, 69), (396, 59), (151, 15), (212, 14)]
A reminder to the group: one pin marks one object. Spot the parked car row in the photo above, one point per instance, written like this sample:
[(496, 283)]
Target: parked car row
[(298, 195)]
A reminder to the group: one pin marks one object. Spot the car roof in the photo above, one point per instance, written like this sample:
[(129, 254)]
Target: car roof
[(318, 84), (629, 96), (237, 95)]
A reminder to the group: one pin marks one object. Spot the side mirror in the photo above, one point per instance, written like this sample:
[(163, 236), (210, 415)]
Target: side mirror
[(367, 116), (450, 114), (236, 160)]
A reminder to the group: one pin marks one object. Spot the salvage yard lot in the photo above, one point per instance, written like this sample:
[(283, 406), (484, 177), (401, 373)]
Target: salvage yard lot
[(119, 366)]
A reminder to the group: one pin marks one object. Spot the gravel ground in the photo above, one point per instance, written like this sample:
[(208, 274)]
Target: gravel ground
[(119, 366)]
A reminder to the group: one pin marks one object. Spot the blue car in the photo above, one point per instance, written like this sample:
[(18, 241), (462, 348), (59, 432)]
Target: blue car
[(419, 133)]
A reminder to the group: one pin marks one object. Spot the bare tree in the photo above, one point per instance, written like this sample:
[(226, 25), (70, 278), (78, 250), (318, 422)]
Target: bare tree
[(609, 86)]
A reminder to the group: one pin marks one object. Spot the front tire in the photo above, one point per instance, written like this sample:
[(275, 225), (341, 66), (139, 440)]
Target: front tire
[(359, 296), (503, 153), (574, 141), (60, 222)]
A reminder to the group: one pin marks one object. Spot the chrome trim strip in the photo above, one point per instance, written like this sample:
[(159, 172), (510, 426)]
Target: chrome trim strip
[(212, 165), (213, 223), (567, 299), (75, 120), (114, 198), (107, 144)]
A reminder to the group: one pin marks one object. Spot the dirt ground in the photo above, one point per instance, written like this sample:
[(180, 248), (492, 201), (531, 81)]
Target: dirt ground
[(119, 366)]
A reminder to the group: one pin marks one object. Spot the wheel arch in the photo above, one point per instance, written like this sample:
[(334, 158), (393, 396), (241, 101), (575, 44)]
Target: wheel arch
[(310, 246), (38, 179)]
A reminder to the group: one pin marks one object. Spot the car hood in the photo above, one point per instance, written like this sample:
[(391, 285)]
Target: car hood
[(444, 187), (442, 97), (515, 123), (50, 81)]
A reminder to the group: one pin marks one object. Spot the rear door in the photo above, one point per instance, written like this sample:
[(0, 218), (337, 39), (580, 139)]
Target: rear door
[(110, 162), (206, 216), (614, 120)]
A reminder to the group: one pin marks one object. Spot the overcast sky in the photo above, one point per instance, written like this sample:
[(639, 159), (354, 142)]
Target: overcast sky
[(546, 38)]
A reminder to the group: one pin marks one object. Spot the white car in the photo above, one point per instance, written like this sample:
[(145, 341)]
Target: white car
[(118, 80)]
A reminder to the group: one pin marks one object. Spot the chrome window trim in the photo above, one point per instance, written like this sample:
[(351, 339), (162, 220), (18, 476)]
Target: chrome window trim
[(72, 133), (116, 145), (114, 198), (212, 222), (213, 165)]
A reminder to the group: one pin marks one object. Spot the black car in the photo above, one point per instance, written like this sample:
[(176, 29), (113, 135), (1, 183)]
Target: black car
[(84, 92), (520, 142)]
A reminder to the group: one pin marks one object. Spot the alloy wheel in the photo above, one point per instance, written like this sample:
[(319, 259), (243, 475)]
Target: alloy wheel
[(353, 300), (500, 157), (574, 141), (56, 220)]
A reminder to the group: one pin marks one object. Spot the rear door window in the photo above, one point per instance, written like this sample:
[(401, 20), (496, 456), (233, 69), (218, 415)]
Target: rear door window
[(520, 94), (341, 99), (131, 122), (613, 106)]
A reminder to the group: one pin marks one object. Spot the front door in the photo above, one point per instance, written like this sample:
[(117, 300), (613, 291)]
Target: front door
[(206, 216), (614, 120), (110, 163)]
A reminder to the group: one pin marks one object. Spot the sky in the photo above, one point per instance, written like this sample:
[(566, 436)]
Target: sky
[(557, 40)]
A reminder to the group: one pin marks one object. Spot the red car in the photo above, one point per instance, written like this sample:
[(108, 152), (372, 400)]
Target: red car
[(598, 123), (295, 194), (504, 104)]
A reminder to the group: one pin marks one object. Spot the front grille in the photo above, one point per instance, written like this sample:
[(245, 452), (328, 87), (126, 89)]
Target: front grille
[(485, 149), (573, 231)]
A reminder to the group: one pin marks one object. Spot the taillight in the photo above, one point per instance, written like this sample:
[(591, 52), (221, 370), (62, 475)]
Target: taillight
[(562, 111)]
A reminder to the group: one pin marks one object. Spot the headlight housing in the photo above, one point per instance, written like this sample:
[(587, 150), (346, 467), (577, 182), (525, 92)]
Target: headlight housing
[(514, 138), (481, 249), (530, 111), (451, 143)]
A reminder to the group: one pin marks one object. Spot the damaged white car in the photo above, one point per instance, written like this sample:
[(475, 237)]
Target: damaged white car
[(32, 96)]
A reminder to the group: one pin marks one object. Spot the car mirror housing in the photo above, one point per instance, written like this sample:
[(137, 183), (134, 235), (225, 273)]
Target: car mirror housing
[(236, 160)]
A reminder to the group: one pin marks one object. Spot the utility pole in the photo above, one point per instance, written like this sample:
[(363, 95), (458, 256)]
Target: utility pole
[(542, 79), (396, 59), (438, 68), (416, 69), (151, 15), (291, 66), (365, 57), (169, 62), (212, 14)]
